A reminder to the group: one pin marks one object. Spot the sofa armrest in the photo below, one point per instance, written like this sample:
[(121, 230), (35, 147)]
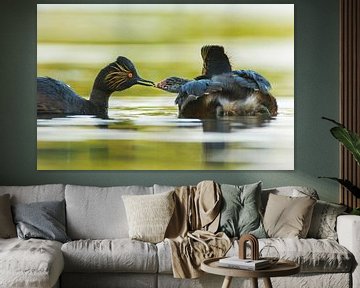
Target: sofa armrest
[(348, 230)]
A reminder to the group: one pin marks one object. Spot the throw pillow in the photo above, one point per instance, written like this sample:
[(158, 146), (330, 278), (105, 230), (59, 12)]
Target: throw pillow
[(44, 220), (149, 215), (291, 191), (287, 217), (240, 213), (7, 227), (323, 222)]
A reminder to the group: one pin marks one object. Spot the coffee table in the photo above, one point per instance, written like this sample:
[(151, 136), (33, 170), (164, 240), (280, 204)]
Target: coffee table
[(281, 268)]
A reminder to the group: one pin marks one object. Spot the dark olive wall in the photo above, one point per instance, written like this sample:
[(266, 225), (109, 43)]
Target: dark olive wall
[(316, 95)]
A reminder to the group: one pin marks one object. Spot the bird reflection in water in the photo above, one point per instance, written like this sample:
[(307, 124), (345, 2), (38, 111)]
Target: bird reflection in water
[(212, 148)]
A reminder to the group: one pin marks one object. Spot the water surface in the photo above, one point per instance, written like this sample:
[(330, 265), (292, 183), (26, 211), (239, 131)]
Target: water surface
[(145, 133)]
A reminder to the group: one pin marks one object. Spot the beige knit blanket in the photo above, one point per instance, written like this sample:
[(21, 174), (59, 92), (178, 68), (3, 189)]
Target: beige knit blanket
[(191, 231)]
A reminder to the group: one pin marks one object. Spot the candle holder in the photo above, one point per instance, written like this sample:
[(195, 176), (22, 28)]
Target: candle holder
[(254, 246)]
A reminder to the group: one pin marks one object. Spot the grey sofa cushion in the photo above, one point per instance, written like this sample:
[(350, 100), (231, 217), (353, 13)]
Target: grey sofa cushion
[(323, 222), (163, 188), (30, 263), (44, 220), (34, 193), (98, 213), (116, 255)]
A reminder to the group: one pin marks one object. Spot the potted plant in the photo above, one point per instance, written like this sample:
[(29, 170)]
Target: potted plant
[(351, 141)]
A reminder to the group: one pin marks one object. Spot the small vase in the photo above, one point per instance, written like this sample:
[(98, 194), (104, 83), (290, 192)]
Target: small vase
[(270, 253)]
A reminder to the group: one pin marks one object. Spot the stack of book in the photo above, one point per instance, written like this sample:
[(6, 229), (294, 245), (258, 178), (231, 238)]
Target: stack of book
[(248, 264)]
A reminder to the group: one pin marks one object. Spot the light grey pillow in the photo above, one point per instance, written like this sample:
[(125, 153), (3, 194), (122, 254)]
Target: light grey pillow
[(44, 220), (149, 215), (240, 213), (7, 226), (323, 222)]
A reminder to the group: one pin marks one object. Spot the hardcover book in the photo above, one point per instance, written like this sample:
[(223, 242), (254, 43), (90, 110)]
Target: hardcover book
[(249, 264)]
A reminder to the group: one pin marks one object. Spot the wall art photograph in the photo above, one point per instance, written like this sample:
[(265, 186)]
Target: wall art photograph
[(165, 87)]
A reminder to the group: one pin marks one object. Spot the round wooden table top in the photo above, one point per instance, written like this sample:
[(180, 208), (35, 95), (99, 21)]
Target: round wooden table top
[(281, 268)]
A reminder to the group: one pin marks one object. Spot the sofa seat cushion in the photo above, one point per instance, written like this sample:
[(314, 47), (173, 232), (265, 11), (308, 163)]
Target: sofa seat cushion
[(30, 263), (164, 257), (110, 255), (313, 255)]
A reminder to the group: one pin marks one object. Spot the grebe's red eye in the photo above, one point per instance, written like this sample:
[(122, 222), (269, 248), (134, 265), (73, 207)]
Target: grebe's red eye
[(130, 75)]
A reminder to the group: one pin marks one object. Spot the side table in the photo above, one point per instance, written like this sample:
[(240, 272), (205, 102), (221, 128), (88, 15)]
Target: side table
[(281, 268)]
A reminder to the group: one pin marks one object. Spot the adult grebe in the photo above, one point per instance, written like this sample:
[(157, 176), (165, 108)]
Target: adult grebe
[(219, 91), (57, 98)]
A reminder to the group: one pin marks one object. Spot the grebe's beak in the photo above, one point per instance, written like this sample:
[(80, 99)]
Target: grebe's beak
[(144, 82)]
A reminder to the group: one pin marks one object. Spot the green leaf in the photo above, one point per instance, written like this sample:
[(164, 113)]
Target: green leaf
[(347, 184), (355, 211), (349, 139)]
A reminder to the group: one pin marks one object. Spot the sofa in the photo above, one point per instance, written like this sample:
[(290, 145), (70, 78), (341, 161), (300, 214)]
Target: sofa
[(99, 252)]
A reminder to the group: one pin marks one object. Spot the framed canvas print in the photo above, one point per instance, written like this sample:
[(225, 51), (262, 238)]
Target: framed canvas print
[(165, 87)]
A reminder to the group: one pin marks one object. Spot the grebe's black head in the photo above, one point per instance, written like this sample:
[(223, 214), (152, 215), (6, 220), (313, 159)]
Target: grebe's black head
[(172, 84), (119, 75)]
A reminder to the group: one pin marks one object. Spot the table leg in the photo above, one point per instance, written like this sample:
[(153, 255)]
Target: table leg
[(254, 282), (227, 282), (267, 283)]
